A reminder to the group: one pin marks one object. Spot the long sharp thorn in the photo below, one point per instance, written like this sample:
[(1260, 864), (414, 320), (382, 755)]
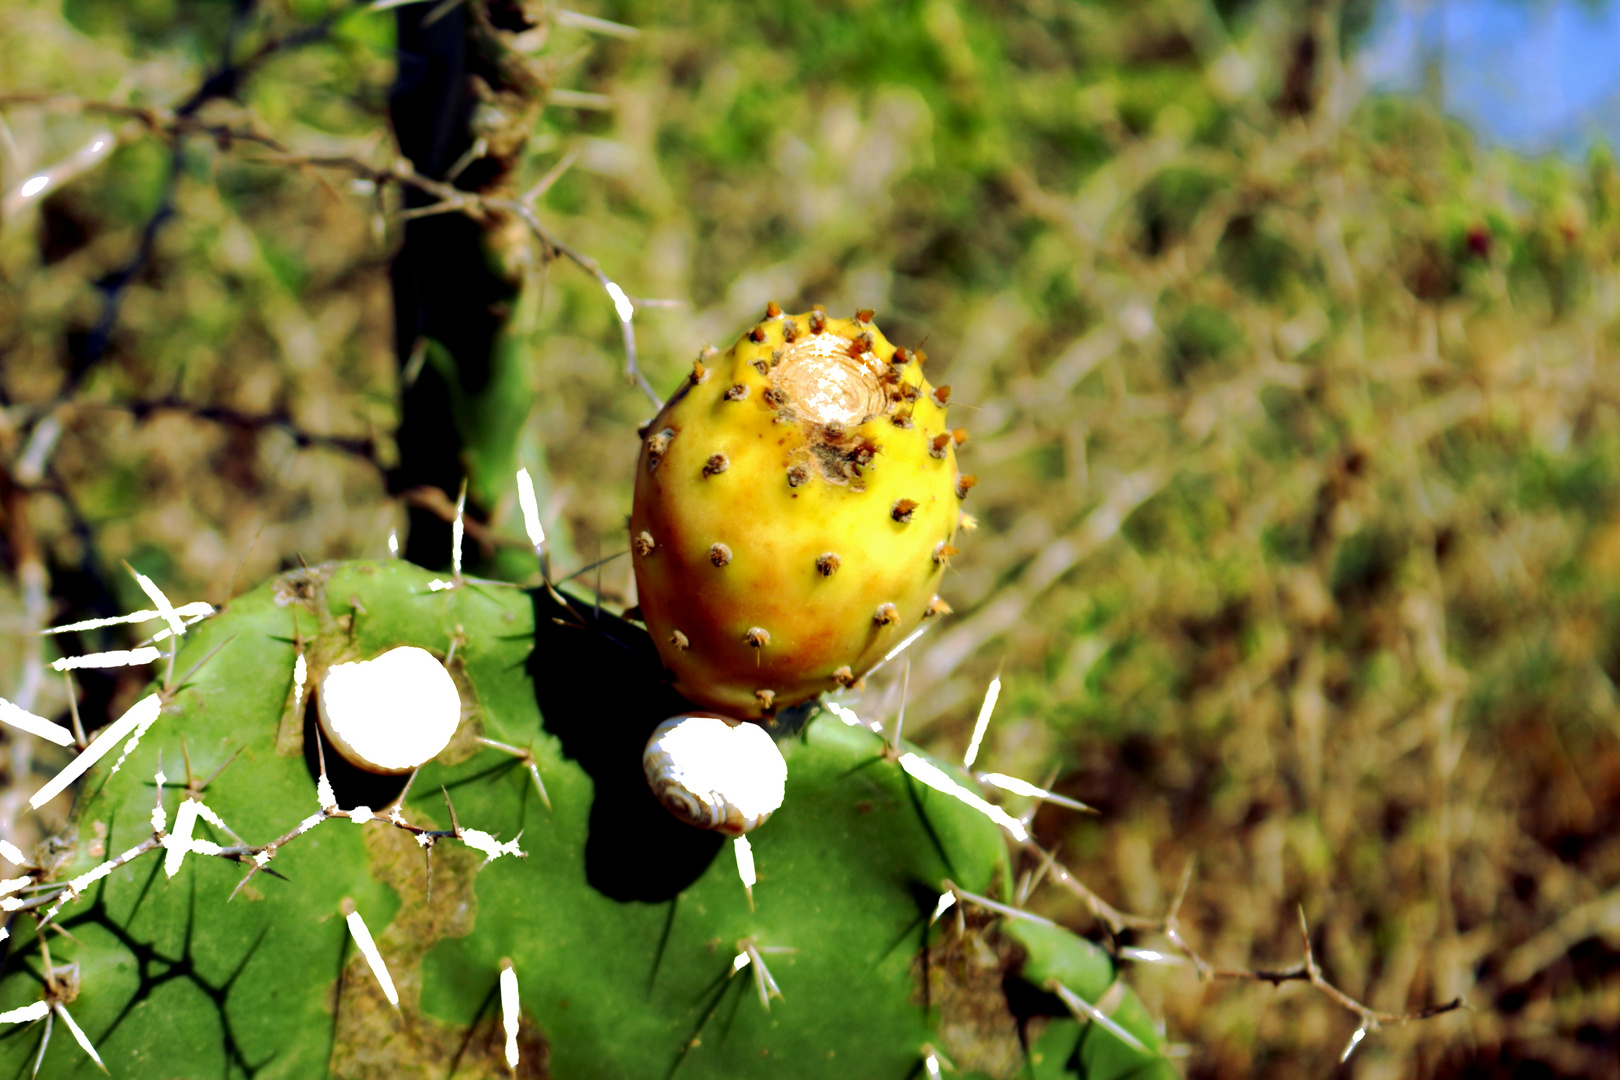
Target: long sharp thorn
[(209, 655), (79, 741), (245, 879), (80, 1037), (409, 780), (457, 528), (900, 720), (454, 824), (534, 770), (44, 1042), (597, 614), (222, 768)]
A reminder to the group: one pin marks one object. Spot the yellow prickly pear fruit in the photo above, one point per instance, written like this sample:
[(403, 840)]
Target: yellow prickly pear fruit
[(795, 505)]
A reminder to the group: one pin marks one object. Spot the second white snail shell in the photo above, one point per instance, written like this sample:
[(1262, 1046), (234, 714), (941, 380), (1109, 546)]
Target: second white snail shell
[(725, 775), (392, 713)]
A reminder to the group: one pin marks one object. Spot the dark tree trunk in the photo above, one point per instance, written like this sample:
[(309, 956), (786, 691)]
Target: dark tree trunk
[(444, 287)]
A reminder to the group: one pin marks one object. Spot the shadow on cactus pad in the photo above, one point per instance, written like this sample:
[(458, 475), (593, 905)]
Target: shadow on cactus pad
[(635, 948)]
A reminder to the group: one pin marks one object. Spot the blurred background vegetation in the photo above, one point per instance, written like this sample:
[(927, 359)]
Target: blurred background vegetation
[(1295, 409)]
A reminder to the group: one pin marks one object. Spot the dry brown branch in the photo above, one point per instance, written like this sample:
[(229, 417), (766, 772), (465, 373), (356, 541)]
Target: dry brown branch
[(1169, 925), (175, 124)]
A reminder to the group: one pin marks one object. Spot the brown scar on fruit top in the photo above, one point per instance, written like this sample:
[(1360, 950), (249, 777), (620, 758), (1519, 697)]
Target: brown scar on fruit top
[(831, 386)]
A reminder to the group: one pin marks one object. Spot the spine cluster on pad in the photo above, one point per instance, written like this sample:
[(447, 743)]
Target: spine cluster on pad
[(794, 511)]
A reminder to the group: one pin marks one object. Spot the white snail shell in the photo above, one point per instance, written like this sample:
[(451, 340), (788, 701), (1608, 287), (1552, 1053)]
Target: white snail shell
[(719, 774), (390, 714)]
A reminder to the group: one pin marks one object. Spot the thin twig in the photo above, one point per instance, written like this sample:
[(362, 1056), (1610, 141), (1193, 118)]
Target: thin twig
[(1308, 971)]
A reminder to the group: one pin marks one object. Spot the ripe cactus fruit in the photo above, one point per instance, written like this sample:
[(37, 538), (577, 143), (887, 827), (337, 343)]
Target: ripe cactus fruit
[(793, 516)]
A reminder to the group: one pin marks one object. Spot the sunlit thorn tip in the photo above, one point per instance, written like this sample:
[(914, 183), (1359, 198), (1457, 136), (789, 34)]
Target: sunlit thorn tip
[(980, 725), (20, 718), (531, 510), (368, 949), (1023, 787), (744, 852), (113, 658), (458, 529), (78, 1035), (134, 723), (621, 302), (1355, 1041), (1083, 1011), (763, 982), (510, 1012), (933, 776)]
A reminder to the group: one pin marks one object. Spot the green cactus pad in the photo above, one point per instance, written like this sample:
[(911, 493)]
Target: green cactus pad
[(622, 925)]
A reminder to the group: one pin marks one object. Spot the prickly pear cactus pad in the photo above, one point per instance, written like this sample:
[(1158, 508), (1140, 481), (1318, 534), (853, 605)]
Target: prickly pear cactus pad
[(209, 909), (794, 510)]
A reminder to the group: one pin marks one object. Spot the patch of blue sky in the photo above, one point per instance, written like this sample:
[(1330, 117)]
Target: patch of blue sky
[(1536, 76)]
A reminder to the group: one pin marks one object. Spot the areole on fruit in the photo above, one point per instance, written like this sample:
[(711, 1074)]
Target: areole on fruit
[(782, 504)]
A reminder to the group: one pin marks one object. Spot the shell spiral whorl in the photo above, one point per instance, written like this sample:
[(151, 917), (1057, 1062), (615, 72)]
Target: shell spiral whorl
[(715, 774)]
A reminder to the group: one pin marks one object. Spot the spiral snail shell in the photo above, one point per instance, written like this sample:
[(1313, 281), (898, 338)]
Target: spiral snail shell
[(391, 713), (719, 774)]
